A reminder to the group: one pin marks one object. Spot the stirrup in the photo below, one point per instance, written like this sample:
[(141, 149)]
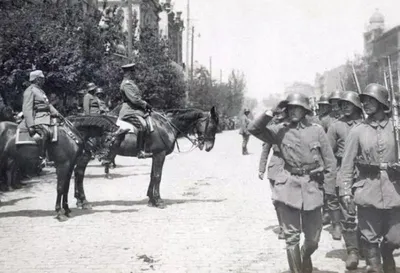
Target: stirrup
[(143, 154)]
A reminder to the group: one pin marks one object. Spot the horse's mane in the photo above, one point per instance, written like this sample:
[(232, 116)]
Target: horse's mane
[(104, 122), (183, 118)]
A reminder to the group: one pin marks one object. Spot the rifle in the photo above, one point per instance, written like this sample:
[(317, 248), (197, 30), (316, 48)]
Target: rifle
[(395, 113), (355, 78), (341, 81), (385, 80)]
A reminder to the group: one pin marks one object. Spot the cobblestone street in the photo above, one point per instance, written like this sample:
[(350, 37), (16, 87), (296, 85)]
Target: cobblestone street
[(218, 218)]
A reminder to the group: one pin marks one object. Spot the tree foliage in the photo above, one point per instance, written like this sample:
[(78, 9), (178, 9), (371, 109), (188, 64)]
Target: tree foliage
[(227, 97), (73, 50)]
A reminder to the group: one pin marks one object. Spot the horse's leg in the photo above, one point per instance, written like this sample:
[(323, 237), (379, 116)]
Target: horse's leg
[(62, 171), (82, 162), (150, 190), (156, 172), (66, 190), (113, 163)]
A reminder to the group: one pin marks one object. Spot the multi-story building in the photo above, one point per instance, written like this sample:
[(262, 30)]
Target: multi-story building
[(379, 43)]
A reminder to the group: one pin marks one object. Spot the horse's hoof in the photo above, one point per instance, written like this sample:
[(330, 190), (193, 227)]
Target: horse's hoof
[(86, 206), (61, 217), (79, 205), (151, 204), (160, 201)]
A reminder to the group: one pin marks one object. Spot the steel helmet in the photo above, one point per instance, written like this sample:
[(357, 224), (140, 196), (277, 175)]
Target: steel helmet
[(91, 86), (335, 95), (299, 100), (324, 99), (378, 92), (281, 107), (99, 90), (351, 97)]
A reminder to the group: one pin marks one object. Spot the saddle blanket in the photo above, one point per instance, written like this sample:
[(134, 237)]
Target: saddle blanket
[(126, 125), (23, 137)]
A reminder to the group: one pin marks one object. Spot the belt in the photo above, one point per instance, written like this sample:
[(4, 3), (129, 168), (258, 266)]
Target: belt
[(305, 170)]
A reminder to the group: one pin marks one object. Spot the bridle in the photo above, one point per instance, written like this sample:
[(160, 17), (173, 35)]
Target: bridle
[(200, 139)]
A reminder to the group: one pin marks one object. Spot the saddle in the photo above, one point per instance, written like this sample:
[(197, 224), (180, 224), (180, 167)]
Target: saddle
[(141, 122), (23, 137)]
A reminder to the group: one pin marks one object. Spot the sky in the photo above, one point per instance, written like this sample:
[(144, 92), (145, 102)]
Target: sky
[(276, 42)]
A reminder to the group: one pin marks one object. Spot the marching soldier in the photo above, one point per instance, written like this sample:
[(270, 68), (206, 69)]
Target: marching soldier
[(244, 123), (311, 165), (334, 99), (37, 112), (370, 147), (337, 135), (90, 102), (134, 106), (275, 166), (324, 113)]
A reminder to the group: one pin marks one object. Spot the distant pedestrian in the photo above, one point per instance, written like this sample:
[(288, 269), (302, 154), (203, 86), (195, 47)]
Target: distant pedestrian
[(245, 120)]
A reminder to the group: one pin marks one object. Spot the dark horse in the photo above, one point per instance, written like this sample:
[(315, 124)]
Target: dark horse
[(161, 142), (66, 152)]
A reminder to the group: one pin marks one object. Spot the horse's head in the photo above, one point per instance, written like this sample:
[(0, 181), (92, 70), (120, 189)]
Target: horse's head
[(206, 128)]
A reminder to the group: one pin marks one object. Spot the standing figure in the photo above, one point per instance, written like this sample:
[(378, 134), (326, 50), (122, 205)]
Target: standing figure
[(324, 113), (334, 99), (90, 102), (245, 120), (370, 148), (311, 165), (133, 107), (37, 113), (337, 134), (276, 163), (103, 109)]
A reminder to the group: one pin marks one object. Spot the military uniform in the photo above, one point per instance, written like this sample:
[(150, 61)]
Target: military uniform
[(370, 146), (244, 124), (275, 172), (91, 105), (133, 107), (307, 154), (37, 112)]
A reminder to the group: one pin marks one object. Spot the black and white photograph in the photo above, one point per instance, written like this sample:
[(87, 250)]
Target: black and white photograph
[(191, 136)]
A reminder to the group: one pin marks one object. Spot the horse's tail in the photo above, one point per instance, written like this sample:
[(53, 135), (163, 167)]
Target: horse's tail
[(4, 139)]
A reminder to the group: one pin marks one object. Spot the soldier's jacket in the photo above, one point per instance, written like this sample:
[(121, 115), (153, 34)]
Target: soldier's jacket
[(244, 124), (133, 104), (91, 105), (337, 135), (326, 120), (103, 106), (371, 143), (301, 146), (36, 107)]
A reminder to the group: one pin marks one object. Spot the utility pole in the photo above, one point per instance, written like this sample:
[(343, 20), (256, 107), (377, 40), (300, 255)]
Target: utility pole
[(191, 64), (187, 35), (211, 70), (130, 23)]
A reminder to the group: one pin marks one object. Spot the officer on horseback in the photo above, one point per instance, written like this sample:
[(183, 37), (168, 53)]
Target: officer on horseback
[(38, 111), (133, 107)]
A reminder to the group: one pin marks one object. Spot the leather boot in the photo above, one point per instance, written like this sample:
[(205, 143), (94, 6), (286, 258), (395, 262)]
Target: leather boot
[(336, 228), (294, 259), (389, 265), (141, 146), (307, 266), (42, 142), (351, 240), (281, 235), (373, 257)]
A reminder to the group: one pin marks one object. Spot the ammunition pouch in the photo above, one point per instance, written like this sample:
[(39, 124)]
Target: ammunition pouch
[(373, 170)]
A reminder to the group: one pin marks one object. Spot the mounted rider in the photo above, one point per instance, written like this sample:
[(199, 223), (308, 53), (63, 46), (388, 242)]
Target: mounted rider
[(90, 101), (134, 107), (37, 112)]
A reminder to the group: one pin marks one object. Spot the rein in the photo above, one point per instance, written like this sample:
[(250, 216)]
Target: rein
[(195, 142)]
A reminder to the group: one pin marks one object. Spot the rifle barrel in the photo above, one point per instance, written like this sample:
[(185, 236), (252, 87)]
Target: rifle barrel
[(395, 113)]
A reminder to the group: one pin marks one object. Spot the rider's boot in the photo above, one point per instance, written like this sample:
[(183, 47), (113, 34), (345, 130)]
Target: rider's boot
[(42, 143), (141, 146)]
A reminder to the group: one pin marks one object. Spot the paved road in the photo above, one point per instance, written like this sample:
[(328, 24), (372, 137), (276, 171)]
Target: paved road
[(219, 218)]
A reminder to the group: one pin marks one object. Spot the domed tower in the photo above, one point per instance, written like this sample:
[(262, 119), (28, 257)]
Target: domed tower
[(375, 29)]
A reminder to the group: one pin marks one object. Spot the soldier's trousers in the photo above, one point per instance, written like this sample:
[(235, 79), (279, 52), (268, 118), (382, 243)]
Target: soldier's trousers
[(245, 141), (376, 224), (347, 221), (295, 221), (44, 131)]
